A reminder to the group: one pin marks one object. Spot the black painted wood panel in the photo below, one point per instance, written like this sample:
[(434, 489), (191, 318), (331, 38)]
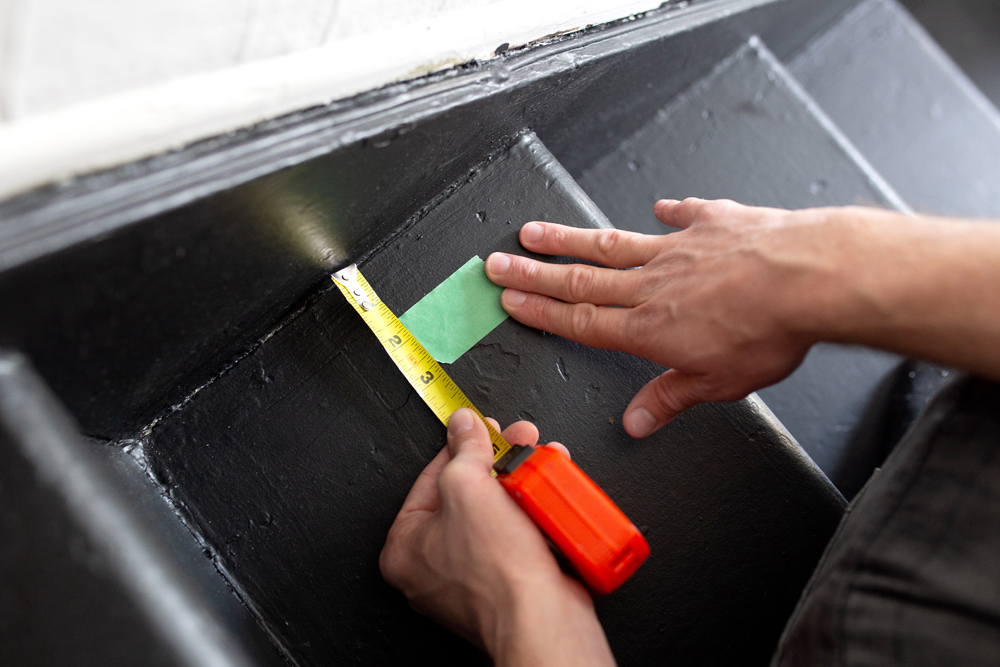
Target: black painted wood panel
[(908, 108), (294, 462), (132, 287), (747, 132), (95, 566)]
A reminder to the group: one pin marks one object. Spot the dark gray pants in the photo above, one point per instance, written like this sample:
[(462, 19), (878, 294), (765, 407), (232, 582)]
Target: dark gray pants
[(912, 576)]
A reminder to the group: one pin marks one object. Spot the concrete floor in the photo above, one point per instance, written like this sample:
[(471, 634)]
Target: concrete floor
[(969, 30)]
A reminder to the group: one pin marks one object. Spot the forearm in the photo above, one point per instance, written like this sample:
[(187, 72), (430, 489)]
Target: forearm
[(923, 287), (550, 628)]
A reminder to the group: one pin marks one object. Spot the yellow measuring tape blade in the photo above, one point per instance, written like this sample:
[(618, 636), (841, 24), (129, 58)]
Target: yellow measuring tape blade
[(431, 383)]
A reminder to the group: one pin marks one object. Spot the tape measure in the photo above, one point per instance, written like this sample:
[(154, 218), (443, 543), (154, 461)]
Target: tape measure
[(580, 521), (424, 374)]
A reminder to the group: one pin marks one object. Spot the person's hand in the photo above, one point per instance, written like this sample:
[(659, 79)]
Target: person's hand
[(465, 554), (713, 302)]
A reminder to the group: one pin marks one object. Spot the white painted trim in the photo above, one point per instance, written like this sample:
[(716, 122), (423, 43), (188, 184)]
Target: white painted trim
[(143, 122)]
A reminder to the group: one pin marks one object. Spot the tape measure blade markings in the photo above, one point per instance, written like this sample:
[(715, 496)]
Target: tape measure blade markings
[(439, 392), (603, 545)]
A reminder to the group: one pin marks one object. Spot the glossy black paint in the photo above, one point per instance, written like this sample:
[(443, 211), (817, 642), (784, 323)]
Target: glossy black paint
[(294, 462), (183, 303), (131, 288), (744, 132), (53, 576), (95, 566), (748, 132), (911, 111), (969, 30)]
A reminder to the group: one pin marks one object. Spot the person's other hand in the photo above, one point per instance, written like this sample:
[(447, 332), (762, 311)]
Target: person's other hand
[(710, 302), (465, 554)]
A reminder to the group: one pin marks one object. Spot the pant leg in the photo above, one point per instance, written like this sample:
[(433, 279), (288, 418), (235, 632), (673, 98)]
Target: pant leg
[(912, 576)]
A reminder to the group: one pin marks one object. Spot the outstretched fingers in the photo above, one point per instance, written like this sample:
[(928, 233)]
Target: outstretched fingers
[(577, 283), (610, 247), (596, 326), (683, 214)]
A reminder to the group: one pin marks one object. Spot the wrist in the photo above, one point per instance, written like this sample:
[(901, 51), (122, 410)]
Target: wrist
[(915, 285), (547, 621), (848, 285)]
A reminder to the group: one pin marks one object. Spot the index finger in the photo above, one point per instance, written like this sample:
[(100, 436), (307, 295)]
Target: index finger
[(595, 326), (610, 247), (577, 283)]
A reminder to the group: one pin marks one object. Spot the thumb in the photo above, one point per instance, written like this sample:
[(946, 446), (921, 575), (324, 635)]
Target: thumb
[(468, 437), (659, 402)]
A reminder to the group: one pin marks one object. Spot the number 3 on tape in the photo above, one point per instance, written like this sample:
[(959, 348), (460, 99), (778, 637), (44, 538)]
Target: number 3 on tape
[(581, 522)]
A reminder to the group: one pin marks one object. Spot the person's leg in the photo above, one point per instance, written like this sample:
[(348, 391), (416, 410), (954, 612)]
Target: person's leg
[(912, 576)]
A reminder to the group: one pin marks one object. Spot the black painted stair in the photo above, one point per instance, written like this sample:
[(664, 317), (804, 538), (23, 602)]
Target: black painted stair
[(317, 423), (908, 108), (95, 555), (747, 132), (870, 109), (255, 442), (750, 133)]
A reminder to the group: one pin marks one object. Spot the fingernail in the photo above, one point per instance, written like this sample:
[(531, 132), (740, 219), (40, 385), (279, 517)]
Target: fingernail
[(639, 423), (499, 263), (532, 232), (513, 297), (461, 421)]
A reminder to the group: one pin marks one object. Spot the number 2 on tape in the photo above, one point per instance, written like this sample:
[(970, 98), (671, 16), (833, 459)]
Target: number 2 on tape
[(582, 523)]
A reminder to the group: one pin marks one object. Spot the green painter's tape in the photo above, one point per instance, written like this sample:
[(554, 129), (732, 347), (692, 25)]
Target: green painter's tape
[(456, 314)]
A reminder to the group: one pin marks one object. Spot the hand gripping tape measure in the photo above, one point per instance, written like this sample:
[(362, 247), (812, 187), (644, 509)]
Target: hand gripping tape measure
[(579, 519)]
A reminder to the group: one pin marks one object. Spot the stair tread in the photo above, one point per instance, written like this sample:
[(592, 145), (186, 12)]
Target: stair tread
[(913, 114), (749, 133), (744, 133), (295, 461), (96, 558)]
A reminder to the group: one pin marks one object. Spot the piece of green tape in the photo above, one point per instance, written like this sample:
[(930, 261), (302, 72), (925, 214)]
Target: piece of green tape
[(456, 314)]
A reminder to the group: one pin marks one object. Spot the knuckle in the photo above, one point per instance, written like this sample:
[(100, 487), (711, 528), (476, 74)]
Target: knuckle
[(560, 235), (714, 208), (688, 208), (392, 562), (525, 268), (579, 282), (720, 208), (666, 396), (451, 477), (609, 241), (456, 479), (540, 310), (636, 327), (581, 319)]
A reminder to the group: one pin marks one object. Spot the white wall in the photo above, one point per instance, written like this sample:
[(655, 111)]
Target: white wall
[(87, 84), (54, 53)]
